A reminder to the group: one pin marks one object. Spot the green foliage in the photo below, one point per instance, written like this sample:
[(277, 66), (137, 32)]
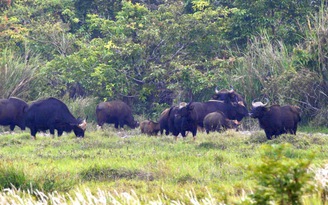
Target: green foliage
[(281, 179), (163, 52), (17, 74)]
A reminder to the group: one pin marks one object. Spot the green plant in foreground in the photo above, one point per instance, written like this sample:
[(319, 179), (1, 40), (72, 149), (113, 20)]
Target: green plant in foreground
[(280, 179)]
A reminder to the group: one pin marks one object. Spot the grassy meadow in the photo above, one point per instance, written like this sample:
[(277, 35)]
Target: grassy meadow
[(126, 167)]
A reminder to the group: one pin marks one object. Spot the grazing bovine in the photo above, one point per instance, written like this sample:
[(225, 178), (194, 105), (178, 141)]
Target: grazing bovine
[(192, 115), (276, 119), (149, 127), (164, 121), (115, 112), (217, 121), (52, 114), (229, 96), (12, 111)]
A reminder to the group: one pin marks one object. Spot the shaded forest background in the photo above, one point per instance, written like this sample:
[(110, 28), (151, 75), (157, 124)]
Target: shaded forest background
[(155, 53)]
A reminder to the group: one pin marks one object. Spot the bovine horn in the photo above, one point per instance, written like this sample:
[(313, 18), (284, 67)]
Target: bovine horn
[(231, 88), (182, 104), (259, 103), (216, 90), (83, 125), (267, 101)]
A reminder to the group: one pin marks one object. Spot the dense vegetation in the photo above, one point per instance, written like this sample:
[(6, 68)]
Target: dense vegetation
[(155, 53), (226, 168)]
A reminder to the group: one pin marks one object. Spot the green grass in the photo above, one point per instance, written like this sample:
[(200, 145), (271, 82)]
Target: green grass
[(213, 165)]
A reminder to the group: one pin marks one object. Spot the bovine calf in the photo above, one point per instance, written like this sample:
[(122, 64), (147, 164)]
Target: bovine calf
[(12, 111), (217, 121), (115, 112), (149, 127), (276, 119)]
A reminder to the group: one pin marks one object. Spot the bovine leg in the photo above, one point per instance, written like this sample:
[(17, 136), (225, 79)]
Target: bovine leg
[(194, 132), (99, 127), (60, 132), (52, 131), (12, 127), (33, 133), (268, 135)]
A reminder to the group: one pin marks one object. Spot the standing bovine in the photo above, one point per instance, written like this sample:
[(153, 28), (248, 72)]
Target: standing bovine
[(174, 121), (276, 119), (164, 121), (52, 114), (215, 121), (149, 127), (12, 111), (115, 112), (192, 115)]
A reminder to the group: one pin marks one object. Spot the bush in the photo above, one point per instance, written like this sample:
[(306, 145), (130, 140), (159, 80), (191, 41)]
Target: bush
[(320, 120), (280, 179)]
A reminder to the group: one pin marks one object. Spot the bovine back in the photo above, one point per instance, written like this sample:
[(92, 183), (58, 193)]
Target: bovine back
[(50, 110)]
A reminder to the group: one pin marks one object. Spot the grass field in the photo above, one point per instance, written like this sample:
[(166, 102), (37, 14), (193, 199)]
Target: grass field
[(111, 167)]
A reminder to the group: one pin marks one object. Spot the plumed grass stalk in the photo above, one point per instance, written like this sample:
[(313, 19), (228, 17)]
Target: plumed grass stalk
[(15, 196)]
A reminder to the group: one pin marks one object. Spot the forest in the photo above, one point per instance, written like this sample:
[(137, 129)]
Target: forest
[(156, 53), (153, 54)]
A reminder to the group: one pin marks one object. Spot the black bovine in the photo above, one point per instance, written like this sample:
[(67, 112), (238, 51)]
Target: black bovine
[(52, 114), (115, 112), (276, 119), (229, 96), (217, 121), (174, 121), (12, 111), (192, 115)]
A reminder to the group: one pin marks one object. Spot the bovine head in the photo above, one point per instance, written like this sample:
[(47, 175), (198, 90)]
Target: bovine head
[(186, 111), (258, 109), (133, 124), (80, 127), (228, 96), (237, 111)]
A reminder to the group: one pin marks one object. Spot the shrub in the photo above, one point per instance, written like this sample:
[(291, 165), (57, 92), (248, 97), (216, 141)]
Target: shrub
[(280, 179)]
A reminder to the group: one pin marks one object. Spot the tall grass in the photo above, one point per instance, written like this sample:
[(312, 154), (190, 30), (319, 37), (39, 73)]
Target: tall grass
[(17, 73), (262, 67)]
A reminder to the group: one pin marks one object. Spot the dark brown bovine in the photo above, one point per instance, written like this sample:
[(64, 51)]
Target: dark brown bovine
[(52, 114), (12, 111), (164, 121), (149, 127), (115, 112), (217, 121), (276, 119)]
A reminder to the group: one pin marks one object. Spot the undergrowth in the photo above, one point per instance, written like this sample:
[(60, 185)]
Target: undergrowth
[(160, 168)]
